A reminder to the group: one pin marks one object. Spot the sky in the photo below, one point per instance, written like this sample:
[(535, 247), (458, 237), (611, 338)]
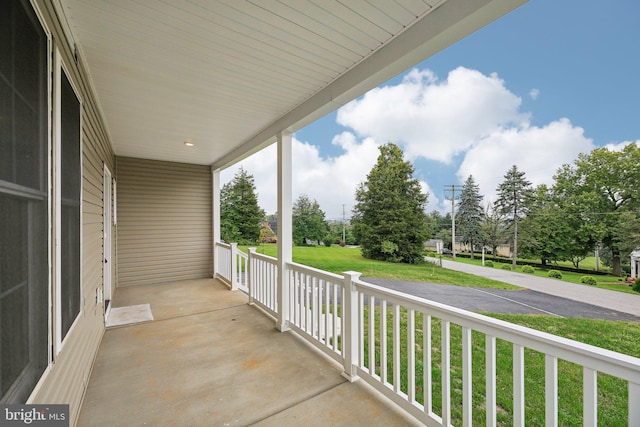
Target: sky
[(550, 80)]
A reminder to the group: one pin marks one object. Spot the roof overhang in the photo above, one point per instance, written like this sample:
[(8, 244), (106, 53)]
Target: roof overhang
[(230, 75)]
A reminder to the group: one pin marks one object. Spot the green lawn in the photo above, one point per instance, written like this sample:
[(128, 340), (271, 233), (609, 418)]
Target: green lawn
[(612, 392), (336, 259), (605, 282)]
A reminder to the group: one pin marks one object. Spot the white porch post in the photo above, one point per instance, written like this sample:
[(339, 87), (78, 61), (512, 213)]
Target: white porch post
[(249, 273), (216, 219), (350, 336), (634, 263), (234, 266), (634, 408), (285, 228)]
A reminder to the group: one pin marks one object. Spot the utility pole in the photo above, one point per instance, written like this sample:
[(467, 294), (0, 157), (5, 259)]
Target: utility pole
[(452, 189), (344, 234)]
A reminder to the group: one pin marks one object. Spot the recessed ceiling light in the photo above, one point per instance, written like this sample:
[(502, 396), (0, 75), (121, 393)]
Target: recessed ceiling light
[(188, 143)]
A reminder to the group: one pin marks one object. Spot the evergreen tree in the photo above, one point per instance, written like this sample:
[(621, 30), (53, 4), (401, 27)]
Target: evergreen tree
[(389, 218), (470, 214), (308, 221), (514, 194), (240, 215)]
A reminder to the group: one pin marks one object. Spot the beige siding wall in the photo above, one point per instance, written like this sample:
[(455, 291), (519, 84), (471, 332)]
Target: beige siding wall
[(164, 221), (66, 378)]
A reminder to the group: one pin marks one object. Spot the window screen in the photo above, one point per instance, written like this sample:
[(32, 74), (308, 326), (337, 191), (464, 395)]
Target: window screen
[(70, 205), (24, 338)]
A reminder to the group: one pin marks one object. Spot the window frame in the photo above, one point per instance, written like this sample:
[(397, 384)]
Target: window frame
[(45, 192), (61, 68)]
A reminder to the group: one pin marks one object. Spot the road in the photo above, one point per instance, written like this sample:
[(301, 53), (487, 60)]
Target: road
[(539, 295)]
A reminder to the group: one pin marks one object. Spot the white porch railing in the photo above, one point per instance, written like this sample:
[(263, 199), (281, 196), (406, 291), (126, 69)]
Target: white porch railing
[(314, 307), (232, 266), (360, 325), (223, 253), (263, 282)]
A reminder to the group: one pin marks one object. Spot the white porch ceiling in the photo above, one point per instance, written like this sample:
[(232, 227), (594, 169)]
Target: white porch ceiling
[(230, 74)]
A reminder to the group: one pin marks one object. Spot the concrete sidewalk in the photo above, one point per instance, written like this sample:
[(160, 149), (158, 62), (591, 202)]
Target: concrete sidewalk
[(627, 303)]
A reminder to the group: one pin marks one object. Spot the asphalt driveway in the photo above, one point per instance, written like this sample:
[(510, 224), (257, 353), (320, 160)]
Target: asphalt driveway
[(483, 300)]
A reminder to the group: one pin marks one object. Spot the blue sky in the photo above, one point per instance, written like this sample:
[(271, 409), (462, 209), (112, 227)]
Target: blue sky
[(535, 88)]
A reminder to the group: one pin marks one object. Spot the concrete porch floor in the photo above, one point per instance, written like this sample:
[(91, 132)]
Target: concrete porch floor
[(209, 359)]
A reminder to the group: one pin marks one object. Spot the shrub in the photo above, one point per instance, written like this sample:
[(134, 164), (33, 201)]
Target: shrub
[(528, 269), (506, 267), (431, 254), (554, 274), (488, 264), (636, 285), (588, 280)]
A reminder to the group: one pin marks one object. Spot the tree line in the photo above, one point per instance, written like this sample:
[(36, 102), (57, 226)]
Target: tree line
[(594, 202), (243, 221)]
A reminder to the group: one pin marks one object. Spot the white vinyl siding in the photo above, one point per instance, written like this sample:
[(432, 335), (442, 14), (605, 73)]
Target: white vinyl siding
[(164, 221)]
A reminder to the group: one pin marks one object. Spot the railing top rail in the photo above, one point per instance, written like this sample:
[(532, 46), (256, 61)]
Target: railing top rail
[(611, 362), (321, 274), (223, 245), (266, 258)]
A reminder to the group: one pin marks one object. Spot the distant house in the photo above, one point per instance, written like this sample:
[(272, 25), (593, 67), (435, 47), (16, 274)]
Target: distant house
[(267, 233), (635, 262), (503, 250), (434, 245)]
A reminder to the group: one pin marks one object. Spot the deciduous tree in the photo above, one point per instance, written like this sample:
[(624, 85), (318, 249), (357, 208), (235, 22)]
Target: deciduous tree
[(308, 221), (493, 230), (601, 186)]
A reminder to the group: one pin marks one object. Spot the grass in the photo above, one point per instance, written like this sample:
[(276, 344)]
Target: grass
[(605, 282), (612, 392), (336, 259)]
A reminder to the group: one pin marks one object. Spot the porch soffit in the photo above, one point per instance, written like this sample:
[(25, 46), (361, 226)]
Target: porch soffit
[(231, 74)]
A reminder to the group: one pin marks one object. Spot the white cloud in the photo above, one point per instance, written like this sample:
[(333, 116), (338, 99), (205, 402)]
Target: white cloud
[(538, 151), (431, 119), (331, 182), (533, 93), (468, 116), (433, 204), (620, 145)]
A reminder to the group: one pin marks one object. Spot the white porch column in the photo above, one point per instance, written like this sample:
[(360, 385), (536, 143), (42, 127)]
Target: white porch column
[(216, 218), (249, 273), (234, 266), (350, 335), (634, 264), (285, 228)]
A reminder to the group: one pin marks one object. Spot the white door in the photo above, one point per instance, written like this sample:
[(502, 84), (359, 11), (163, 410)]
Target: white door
[(107, 227)]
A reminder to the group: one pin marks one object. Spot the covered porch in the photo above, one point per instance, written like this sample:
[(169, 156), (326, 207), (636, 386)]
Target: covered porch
[(352, 353), (201, 85), (208, 358)]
